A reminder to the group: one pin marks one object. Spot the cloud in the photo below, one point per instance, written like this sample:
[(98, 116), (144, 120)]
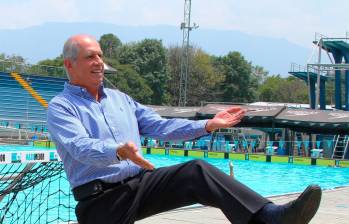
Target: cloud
[(294, 20), (20, 14)]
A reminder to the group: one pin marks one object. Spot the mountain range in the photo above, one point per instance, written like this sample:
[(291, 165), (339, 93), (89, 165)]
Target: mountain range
[(45, 41)]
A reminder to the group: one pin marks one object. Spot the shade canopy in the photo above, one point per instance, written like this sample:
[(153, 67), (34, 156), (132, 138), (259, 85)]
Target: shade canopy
[(109, 70), (302, 120)]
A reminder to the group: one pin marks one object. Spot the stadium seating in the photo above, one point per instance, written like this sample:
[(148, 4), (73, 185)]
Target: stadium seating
[(17, 106), (47, 87)]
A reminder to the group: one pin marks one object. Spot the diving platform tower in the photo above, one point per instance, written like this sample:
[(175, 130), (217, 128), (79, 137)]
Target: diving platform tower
[(310, 76), (317, 74)]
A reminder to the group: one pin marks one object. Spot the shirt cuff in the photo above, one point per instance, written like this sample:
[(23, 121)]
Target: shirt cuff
[(201, 124), (111, 151)]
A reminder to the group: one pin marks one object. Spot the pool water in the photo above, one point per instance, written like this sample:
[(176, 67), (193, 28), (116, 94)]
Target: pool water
[(266, 178), (271, 178), (14, 148)]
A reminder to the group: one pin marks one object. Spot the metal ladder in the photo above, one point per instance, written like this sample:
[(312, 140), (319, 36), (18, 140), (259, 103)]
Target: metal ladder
[(340, 147)]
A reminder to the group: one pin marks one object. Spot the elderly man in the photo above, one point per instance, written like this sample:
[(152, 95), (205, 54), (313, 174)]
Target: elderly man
[(97, 133)]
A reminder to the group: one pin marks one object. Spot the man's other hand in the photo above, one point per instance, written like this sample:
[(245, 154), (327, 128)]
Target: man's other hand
[(225, 119), (131, 152)]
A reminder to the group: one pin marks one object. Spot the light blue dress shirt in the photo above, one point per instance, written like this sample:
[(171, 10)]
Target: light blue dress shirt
[(88, 133)]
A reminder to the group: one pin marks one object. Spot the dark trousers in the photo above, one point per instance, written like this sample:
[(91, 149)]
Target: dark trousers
[(168, 188)]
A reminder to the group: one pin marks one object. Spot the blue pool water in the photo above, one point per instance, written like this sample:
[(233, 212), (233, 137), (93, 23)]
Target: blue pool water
[(265, 178), (14, 148), (271, 178)]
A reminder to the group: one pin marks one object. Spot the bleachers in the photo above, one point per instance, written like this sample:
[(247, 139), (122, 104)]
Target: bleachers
[(17, 106), (47, 87)]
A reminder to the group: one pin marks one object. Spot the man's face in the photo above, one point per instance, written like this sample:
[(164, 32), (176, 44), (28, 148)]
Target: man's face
[(88, 69)]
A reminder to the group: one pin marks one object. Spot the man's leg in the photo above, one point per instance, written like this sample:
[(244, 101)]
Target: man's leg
[(172, 187), (195, 182), (111, 207)]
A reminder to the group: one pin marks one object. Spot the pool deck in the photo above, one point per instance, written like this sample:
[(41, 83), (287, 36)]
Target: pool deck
[(334, 209)]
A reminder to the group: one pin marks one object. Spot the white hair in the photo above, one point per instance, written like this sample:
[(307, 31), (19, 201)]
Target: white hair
[(71, 49)]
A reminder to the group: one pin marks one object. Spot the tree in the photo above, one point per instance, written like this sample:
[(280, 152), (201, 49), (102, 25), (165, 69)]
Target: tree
[(58, 62), (330, 92), (148, 58), (203, 77), (269, 89), (278, 89), (110, 45), (50, 67), (240, 84), (130, 82), (174, 69), (260, 73)]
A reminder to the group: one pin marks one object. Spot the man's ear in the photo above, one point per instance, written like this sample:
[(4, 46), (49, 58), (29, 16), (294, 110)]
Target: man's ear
[(68, 64)]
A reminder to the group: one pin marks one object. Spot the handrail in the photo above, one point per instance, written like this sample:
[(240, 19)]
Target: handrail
[(50, 71), (297, 67), (330, 67), (22, 121), (319, 36), (346, 146), (23, 68), (335, 146), (300, 68)]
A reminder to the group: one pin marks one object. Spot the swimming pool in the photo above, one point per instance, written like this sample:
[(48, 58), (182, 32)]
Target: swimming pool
[(270, 178), (264, 177), (50, 201)]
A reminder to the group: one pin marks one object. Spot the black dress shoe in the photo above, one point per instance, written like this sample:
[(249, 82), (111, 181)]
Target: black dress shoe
[(303, 209)]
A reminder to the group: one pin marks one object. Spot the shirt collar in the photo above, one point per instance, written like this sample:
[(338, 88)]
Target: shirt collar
[(81, 91)]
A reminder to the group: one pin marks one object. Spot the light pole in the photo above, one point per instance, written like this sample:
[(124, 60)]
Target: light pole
[(186, 27)]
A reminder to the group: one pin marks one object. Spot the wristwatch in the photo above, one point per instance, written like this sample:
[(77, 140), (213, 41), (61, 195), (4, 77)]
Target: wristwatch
[(118, 156)]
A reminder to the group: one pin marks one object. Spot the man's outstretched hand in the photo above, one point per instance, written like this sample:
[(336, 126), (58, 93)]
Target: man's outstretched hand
[(130, 151), (225, 119)]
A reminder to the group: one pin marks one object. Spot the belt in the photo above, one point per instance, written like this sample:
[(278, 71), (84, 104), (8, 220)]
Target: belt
[(94, 188)]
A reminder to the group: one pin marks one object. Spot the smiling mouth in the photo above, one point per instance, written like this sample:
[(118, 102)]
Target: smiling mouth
[(97, 72)]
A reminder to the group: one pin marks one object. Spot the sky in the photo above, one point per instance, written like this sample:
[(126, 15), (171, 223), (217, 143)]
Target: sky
[(293, 20)]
